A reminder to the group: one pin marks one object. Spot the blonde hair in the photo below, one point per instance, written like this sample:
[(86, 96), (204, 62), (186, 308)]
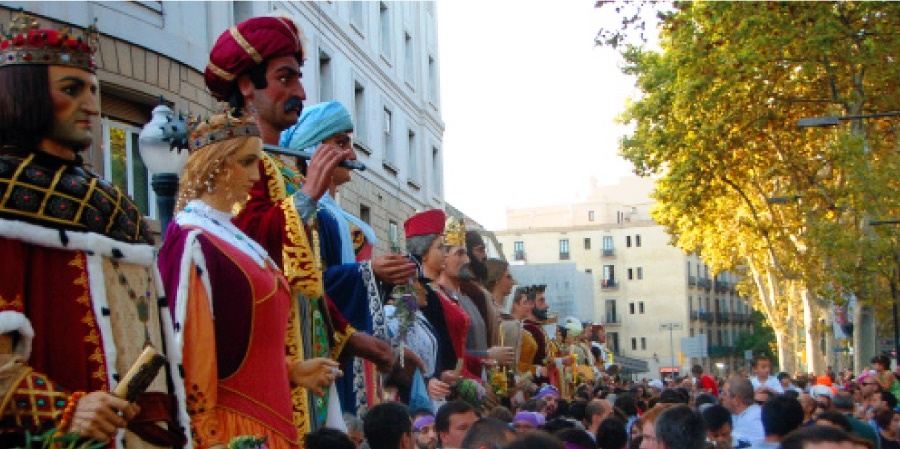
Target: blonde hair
[(205, 170)]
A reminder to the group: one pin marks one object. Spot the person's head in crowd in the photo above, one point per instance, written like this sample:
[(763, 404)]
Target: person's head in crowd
[(595, 412), (326, 438), (670, 396), (835, 419), (452, 422), (551, 396), (881, 363), (780, 416), (577, 409), (680, 427), (536, 440), (648, 426), (843, 402), (354, 429), (883, 400), (627, 404), (717, 420), (388, 426), (556, 424), (784, 379), (611, 434), (535, 405), (502, 413), (655, 386), (574, 438), (819, 437), (703, 399), (792, 394), (697, 371), (822, 395), (424, 431), (887, 421), (488, 433), (809, 406), (737, 394), (635, 432), (525, 422), (868, 385), (762, 366), (801, 381)]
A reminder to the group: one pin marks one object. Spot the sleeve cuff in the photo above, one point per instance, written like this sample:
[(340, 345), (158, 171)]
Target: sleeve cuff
[(305, 205)]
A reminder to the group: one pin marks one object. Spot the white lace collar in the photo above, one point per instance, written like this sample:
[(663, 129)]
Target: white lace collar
[(201, 215)]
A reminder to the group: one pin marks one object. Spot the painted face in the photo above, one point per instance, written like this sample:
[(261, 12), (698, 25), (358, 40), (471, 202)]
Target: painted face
[(242, 170), (433, 259), (505, 284), (279, 104), (344, 140), (479, 252), (552, 403), (426, 437), (720, 438), (456, 257), (524, 307), (74, 95), (762, 368), (459, 425)]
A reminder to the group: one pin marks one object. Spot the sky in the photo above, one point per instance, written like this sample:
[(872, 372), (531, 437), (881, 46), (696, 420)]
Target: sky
[(529, 104)]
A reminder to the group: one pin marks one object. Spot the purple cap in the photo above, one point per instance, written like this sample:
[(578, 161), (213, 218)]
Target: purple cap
[(528, 417), (422, 422), (547, 390)]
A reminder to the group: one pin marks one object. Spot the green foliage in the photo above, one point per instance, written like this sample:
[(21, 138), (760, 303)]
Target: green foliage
[(50, 440), (761, 340)]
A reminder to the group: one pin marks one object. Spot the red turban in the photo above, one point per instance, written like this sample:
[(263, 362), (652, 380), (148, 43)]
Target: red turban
[(429, 222), (247, 44)]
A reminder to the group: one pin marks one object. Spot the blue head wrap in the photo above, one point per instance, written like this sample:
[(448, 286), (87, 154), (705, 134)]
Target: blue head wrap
[(316, 124)]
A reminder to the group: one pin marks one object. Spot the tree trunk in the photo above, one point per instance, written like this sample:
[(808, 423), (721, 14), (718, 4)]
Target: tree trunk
[(863, 336), (814, 356)]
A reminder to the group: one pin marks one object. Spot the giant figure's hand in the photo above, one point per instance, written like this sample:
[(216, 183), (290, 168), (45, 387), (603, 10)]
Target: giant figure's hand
[(393, 268), (437, 389), (320, 168), (316, 375), (99, 415), (504, 355), (371, 349)]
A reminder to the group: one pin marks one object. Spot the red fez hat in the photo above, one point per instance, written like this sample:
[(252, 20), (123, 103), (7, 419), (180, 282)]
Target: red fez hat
[(429, 222), (246, 45)]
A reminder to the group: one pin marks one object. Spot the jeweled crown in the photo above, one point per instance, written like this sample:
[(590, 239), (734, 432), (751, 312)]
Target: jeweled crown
[(223, 126), (454, 232), (26, 43)]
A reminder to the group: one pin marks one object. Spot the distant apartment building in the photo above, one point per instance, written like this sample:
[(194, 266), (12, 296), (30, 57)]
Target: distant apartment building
[(380, 59), (647, 293)]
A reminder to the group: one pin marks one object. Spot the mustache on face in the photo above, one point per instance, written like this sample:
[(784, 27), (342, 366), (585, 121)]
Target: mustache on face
[(293, 104)]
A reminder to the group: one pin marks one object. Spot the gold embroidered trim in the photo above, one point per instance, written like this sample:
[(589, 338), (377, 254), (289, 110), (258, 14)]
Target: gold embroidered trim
[(298, 258), (16, 304), (227, 76), (239, 38), (340, 340)]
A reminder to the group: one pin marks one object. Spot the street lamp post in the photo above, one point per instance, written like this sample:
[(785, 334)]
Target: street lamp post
[(164, 158)]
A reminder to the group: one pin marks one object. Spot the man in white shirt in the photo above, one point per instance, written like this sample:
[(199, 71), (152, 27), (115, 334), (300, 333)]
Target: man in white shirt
[(762, 368), (746, 416)]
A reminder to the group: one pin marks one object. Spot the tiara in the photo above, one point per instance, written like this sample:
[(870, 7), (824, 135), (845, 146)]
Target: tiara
[(231, 128), (454, 232), (26, 43)]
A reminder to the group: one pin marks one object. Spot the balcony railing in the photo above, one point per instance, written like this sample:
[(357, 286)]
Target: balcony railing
[(608, 252), (519, 255), (613, 319), (695, 315), (563, 256), (721, 286), (723, 317), (704, 283), (706, 316), (692, 280), (609, 284)]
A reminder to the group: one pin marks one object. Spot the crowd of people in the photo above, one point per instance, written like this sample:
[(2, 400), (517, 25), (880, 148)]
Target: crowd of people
[(280, 325)]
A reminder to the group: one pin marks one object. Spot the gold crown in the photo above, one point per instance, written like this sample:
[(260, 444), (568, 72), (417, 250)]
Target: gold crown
[(25, 43), (222, 126), (454, 232)]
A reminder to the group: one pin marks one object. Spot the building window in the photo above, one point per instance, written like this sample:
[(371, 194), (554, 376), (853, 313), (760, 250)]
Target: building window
[(436, 171), (388, 136), (412, 159), (631, 274), (409, 68), (637, 240), (612, 315), (365, 214), (590, 215), (640, 273), (518, 250), (587, 243), (432, 80), (563, 249), (326, 90), (124, 166), (359, 111), (609, 276), (634, 344), (608, 246), (384, 19), (628, 241), (631, 308), (612, 340), (641, 307), (644, 343), (356, 15)]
